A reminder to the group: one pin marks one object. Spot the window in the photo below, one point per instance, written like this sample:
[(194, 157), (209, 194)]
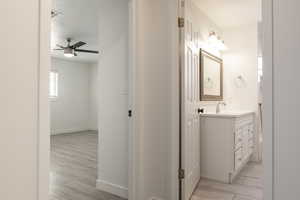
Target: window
[(53, 85)]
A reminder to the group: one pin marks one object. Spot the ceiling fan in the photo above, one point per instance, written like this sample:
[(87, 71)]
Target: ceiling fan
[(71, 50)]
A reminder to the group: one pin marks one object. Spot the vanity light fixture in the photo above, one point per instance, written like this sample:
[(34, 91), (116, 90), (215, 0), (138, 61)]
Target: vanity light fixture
[(222, 46), (216, 42), (213, 38)]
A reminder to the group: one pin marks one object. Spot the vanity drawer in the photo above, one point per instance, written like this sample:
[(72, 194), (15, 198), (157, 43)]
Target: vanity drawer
[(238, 158)]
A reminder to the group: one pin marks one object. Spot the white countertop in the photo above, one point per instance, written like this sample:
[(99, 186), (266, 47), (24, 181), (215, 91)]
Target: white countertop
[(229, 114)]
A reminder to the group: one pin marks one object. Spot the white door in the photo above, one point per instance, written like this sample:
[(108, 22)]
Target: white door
[(190, 95)]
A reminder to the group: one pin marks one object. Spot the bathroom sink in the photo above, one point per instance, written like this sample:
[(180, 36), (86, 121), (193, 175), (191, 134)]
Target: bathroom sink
[(229, 114)]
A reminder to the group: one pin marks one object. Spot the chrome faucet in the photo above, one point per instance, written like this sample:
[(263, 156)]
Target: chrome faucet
[(218, 110)]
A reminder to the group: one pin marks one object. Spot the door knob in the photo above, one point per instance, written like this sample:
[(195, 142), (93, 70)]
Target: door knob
[(200, 110)]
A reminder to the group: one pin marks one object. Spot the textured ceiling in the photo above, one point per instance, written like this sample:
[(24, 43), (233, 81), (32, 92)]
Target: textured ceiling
[(79, 21), (231, 13)]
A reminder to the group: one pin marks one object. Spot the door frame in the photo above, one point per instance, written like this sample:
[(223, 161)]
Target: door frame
[(268, 116), (43, 118), (268, 104)]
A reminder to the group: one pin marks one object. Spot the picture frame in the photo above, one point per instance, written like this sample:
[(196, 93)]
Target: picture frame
[(211, 77)]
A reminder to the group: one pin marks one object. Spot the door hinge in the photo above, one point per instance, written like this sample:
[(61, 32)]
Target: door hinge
[(129, 113), (181, 174), (180, 22)]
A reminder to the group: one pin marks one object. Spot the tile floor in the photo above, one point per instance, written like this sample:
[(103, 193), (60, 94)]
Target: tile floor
[(247, 186)]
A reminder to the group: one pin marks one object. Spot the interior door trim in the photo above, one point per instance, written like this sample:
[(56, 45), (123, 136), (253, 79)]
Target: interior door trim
[(43, 120)]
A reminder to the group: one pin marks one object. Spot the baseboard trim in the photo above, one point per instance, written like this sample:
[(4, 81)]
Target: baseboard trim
[(68, 130), (112, 188)]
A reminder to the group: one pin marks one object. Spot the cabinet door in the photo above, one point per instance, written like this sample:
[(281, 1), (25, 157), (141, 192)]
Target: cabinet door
[(251, 139), (238, 158), (251, 131), (245, 142), (238, 138)]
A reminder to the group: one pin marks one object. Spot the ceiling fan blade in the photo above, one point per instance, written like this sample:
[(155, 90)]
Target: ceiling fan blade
[(57, 49), (86, 51), (60, 46), (78, 44)]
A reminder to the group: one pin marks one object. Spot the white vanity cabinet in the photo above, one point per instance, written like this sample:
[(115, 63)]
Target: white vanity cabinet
[(227, 143)]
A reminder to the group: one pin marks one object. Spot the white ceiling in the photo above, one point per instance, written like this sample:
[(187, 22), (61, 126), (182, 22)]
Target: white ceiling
[(79, 21), (231, 13)]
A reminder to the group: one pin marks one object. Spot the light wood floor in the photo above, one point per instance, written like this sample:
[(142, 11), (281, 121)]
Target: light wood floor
[(247, 186), (73, 170)]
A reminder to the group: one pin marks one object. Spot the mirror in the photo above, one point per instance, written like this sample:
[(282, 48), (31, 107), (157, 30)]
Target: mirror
[(211, 69)]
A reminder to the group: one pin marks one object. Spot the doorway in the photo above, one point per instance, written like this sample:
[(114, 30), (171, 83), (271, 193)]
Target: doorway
[(214, 164), (96, 49)]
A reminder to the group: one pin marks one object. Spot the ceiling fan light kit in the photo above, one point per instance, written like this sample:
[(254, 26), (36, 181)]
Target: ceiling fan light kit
[(69, 53)]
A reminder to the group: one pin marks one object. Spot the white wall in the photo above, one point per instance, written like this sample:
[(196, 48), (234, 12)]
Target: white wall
[(286, 98), (113, 97), (74, 109), (241, 59), (205, 26), (19, 100), (157, 69), (93, 95)]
